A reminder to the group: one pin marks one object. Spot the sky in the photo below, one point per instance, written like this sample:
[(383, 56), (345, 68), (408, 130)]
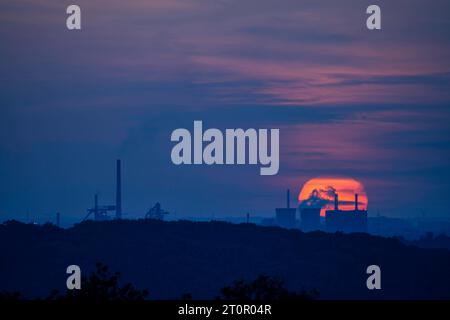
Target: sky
[(368, 105)]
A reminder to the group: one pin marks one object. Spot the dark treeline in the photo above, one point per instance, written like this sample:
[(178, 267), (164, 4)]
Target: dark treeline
[(104, 285), (431, 241), (204, 260)]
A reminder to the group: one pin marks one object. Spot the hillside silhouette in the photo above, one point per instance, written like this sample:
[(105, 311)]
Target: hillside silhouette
[(202, 259)]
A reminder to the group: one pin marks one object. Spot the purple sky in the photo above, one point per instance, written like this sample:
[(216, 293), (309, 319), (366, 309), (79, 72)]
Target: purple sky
[(372, 105)]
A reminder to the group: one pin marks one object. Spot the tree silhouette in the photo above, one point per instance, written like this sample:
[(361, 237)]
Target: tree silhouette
[(263, 288), (210, 249), (10, 296), (102, 285)]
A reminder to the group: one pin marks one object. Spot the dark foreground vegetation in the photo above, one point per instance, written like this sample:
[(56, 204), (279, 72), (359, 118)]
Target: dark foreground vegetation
[(203, 260), (104, 285)]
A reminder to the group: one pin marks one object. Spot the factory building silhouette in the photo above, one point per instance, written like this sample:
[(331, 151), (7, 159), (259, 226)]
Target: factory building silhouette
[(346, 220), (285, 217), (310, 220)]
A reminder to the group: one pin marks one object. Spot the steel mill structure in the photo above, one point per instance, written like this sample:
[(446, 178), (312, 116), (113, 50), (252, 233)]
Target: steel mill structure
[(346, 220), (101, 212)]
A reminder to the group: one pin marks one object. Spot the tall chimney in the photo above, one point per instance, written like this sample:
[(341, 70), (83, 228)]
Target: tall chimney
[(356, 202), (288, 199), (118, 191), (336, 202)]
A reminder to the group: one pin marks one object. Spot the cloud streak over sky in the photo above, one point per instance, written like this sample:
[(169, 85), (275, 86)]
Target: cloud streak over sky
[(371, 105)]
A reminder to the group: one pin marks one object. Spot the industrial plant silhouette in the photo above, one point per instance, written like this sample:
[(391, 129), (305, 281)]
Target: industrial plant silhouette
[(199, 260), (310, 220), (100, 213), (335, 220)]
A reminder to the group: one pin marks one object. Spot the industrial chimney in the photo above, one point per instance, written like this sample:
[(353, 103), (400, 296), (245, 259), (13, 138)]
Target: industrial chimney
[(356, 202), (336, 202), (288, 200), (118, 191)]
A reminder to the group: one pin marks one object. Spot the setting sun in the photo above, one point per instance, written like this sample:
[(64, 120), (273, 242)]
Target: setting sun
[(319, 192)]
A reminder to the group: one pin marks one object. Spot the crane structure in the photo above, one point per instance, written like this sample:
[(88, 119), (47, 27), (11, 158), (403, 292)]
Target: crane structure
[(156, 212), (100, 212)]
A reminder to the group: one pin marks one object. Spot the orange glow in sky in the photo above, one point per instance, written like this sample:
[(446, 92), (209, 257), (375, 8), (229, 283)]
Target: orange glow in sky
[(320, 191)]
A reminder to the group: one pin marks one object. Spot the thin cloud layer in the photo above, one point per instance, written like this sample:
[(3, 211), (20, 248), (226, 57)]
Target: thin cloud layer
[(350, 102)]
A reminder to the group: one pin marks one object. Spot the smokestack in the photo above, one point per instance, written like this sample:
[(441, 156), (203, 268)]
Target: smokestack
[(288, 199), (118, 191), (336, 202), (356, 202)]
